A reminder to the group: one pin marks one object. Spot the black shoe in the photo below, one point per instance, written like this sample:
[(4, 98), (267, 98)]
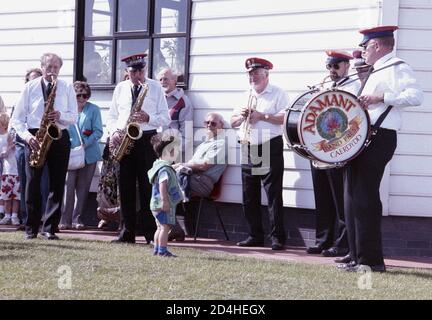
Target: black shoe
[(344, 259), (277, 245), (314, 250), (49, 236), (121, 240), (250, 242), (366, 268), (30, 236), (334, 252)]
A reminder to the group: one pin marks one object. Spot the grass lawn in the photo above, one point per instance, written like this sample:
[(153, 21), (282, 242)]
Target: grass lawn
[(100, 270)]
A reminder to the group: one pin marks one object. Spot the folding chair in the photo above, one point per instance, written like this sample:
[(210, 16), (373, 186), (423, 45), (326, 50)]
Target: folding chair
[(214, 195)]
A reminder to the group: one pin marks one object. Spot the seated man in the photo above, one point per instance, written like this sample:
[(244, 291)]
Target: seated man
[(198, 176)]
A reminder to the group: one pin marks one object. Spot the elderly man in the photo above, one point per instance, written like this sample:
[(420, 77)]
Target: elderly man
[(264, 137), (391, 87), (199, 175), (331, 239), (152, 114), (27, 120), (179, 106)]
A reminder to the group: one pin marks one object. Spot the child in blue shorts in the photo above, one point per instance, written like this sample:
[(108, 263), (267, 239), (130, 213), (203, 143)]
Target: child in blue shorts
[(166, 192)]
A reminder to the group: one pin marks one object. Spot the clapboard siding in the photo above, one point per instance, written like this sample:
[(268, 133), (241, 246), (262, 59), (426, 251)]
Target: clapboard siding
[(27, 30), (411, 168), (291, 34)]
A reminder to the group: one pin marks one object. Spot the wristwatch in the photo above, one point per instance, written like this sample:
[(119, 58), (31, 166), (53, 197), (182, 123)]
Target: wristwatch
[(266, 116)]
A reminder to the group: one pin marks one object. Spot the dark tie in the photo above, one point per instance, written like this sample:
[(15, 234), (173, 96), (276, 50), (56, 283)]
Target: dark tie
[(136, 91), (49, 89)]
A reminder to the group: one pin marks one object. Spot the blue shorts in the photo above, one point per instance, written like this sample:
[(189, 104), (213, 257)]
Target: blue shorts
[(164, 217)]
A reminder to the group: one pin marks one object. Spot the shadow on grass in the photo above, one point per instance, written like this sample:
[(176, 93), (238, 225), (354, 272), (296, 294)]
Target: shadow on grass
[(10, 245), (409, 273)]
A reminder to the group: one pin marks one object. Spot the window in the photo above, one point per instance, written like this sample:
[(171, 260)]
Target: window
[(108, 30)]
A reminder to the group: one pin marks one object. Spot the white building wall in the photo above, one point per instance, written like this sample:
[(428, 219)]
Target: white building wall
[(410, 191), (291, 34), (28, 29)]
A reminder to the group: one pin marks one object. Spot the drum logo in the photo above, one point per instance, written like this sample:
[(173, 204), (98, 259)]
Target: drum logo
[(338, 119)]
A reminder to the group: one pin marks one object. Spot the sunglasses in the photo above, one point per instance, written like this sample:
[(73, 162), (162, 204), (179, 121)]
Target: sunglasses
[(333, 65), (211, 123), (82, 95)]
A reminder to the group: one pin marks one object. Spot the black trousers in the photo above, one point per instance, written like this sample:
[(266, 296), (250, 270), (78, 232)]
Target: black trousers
[(133, 170), (329, 203), (272, 181), (363, 208), (57, 161)]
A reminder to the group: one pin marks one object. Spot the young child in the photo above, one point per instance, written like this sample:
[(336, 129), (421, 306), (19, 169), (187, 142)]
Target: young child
[(10, 186), (166, 192)]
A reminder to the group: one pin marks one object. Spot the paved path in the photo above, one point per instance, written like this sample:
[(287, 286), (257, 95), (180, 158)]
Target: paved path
[(295, 254)]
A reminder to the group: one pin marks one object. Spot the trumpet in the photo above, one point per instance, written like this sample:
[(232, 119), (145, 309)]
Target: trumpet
[(251, 106)]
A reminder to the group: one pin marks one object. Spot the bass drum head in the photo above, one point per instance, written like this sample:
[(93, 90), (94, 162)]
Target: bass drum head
[(333, 126), (292, 121)]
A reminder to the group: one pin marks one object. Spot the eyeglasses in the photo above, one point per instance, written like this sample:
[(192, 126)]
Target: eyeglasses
[(82, 95), (211, 123), (333, 65)]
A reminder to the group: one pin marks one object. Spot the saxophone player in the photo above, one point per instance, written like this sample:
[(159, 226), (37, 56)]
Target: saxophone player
[(134, 165), (51, 99)]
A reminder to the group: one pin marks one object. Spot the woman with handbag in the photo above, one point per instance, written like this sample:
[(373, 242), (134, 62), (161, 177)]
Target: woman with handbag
[(85, 135)]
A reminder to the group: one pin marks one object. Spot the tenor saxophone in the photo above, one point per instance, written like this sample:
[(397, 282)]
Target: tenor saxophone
[(132, 131), (47, 133)]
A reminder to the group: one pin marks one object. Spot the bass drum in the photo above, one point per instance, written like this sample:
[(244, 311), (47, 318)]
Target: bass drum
[(330, 129), (292, 118)]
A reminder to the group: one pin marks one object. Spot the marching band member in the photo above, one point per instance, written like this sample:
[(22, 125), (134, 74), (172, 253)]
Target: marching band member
[(134, 166), (26, 120), (266, 139), (391, 87), (331, 239)]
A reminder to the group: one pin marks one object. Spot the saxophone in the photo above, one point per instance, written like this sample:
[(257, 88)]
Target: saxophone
[(48, 131), (132, 131)]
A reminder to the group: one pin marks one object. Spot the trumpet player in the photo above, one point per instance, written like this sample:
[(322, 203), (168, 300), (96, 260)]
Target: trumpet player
[(264, 118), (330, 230), (134, 164), (54, 100)]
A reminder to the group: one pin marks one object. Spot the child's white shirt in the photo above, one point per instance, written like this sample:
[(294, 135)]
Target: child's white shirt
[(9, 162)]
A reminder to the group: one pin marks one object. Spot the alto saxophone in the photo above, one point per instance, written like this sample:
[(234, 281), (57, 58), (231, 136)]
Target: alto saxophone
[(251, 106), (132, 131), (48, 131)]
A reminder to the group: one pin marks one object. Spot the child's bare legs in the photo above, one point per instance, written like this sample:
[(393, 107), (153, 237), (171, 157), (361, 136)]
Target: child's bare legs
[(2, 210), (8, 207), (156, 237), (163, 240)]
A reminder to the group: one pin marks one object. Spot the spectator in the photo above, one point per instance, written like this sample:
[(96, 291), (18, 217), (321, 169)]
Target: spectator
[(78, 181)]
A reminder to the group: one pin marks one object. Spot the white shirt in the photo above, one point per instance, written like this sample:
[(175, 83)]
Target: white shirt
[(9, 161), (400, 89), (271, 101), (30, 107), (154, 105)]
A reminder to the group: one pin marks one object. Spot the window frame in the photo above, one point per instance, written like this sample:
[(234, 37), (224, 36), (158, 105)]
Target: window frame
[(80, 39)]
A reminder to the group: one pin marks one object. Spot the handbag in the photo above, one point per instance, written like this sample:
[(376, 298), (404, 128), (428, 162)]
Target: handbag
[(77, 155)]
